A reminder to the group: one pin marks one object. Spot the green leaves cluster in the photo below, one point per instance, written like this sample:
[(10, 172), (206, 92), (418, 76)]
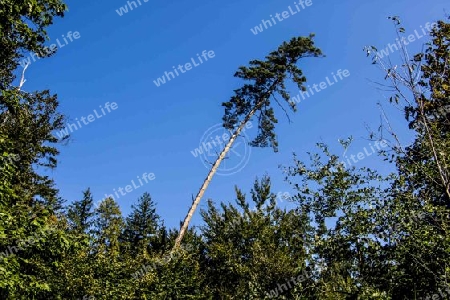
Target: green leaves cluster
[(267, 80)]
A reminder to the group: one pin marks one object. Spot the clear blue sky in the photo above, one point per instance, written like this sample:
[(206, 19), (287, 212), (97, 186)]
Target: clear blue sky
[(154, 129)]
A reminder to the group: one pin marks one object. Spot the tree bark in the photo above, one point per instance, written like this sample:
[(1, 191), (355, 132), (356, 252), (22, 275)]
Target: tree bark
[(208, 178), (216, 165)]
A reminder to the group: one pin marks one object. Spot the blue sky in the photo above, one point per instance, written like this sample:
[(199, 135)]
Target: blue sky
[(154, 129)]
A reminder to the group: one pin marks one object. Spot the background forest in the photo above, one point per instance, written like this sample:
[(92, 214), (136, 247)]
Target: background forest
[(348, 231)]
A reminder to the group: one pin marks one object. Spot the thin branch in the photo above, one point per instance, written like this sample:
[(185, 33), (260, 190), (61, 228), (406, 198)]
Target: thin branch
[(287, 115), (22, 79)]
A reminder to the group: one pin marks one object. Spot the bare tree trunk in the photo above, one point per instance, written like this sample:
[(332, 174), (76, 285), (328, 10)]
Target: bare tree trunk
[(211, 174)]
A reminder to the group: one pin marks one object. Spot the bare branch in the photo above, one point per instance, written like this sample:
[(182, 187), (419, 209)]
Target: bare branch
[(287, 115), (22, 79)]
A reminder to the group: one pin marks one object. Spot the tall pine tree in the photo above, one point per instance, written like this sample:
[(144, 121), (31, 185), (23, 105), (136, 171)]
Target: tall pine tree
[(108, 227), (80, 213), (142, 226)]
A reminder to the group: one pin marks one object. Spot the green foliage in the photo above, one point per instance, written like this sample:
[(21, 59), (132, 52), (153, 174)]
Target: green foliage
[(352, 228), (23, 29), (80, 213), (247, 252), (108, 227), (267, 79), (353, 234), (34, 241), (424, 184), (142, 226)]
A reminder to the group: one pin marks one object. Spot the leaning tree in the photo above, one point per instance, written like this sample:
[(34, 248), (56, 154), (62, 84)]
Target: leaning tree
[(266, 79)]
